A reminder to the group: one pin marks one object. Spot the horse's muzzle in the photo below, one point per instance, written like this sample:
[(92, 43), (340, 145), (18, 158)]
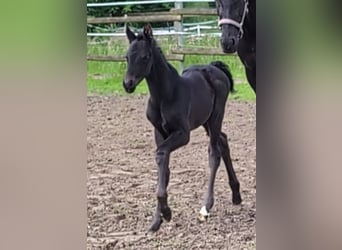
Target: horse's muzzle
[(129, 86), (229, 38), (229, 45)]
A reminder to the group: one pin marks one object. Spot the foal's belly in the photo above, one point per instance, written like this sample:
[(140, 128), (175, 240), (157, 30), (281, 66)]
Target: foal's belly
[(201, 105)]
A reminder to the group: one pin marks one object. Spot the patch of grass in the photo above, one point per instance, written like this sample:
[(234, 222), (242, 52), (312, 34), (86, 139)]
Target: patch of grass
[(105, 78), (243, 92)]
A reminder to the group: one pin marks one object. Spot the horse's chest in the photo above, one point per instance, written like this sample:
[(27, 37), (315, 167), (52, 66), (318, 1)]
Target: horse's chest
[(171, 119), (164, 118), (247, 54)]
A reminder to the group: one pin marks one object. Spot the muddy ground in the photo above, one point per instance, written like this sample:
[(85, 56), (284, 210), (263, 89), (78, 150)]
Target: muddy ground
[(122, 177)]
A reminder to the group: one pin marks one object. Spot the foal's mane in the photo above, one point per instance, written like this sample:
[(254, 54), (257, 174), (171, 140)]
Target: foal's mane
[(155, 47)]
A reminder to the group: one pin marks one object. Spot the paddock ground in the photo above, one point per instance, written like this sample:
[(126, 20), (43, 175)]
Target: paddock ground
[(122, 176)]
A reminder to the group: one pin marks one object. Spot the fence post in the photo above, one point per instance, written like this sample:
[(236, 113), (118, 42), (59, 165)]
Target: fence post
[(179, 28)]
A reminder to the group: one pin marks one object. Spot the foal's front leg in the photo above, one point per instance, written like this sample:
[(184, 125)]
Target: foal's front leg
[(175, 140)]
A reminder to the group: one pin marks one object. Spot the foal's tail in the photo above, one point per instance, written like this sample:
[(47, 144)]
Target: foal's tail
[(224, 67)]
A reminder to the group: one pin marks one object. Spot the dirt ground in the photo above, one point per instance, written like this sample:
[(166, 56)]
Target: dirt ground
[(122, 177)]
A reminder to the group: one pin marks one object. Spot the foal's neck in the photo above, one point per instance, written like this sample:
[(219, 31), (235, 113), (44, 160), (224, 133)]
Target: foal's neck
[(162, 79)]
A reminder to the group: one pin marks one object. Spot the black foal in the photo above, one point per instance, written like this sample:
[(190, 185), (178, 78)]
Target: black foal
[(177, 105)]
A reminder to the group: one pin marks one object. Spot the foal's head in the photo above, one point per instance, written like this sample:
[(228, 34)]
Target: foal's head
[(232, 15), (139, 57)]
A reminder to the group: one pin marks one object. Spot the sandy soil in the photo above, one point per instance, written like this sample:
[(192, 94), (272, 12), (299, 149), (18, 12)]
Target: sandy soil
[(122, 177)]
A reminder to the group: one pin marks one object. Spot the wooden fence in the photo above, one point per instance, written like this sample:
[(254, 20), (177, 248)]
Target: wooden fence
[(165, 16), (174, 15)]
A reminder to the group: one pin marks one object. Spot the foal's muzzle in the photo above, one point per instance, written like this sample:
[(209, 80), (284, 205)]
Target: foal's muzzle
[(129, 85)]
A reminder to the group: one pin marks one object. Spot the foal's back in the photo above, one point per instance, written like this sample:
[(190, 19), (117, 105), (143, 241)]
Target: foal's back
[(204, 83), (217, 80)]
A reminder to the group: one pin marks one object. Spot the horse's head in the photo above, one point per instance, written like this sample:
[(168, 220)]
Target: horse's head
[(139, 57), (232, 15)]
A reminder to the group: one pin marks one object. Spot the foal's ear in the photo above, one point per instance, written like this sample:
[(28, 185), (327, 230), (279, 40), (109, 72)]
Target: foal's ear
[(148, 31), (130, 35)]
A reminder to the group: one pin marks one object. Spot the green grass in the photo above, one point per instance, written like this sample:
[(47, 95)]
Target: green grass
[(105, 78)]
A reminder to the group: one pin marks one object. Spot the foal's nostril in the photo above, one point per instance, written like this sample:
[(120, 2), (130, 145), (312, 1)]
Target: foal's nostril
[(229, 44), (128, 83)]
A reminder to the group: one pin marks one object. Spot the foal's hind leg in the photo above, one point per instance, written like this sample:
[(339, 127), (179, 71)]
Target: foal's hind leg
[(233, 181), (214, 163), (213, 128)]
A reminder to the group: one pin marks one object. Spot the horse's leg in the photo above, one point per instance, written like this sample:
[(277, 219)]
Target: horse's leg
[(174, 141), (157, 218), (248, 57), (233, 181), (214, 163), (251, 77), (213, 128)]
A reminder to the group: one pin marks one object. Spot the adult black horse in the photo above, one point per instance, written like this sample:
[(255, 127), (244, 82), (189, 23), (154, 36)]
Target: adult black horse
[(237, 19), (177, 105)]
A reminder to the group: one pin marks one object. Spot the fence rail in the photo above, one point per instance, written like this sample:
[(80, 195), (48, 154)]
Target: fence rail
[(178, 54), (197, 51), (155, 33), (174, 15), (122, 58), (194, 12), (136, 19), (144, 2)]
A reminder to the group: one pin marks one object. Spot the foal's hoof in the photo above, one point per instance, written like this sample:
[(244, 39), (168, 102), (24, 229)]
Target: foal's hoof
[(237, 199), (167, 214), (203, 214), (157, 221)]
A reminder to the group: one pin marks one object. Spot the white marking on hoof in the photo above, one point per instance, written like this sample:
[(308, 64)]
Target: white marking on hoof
[(204, 211), (204, 214)]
